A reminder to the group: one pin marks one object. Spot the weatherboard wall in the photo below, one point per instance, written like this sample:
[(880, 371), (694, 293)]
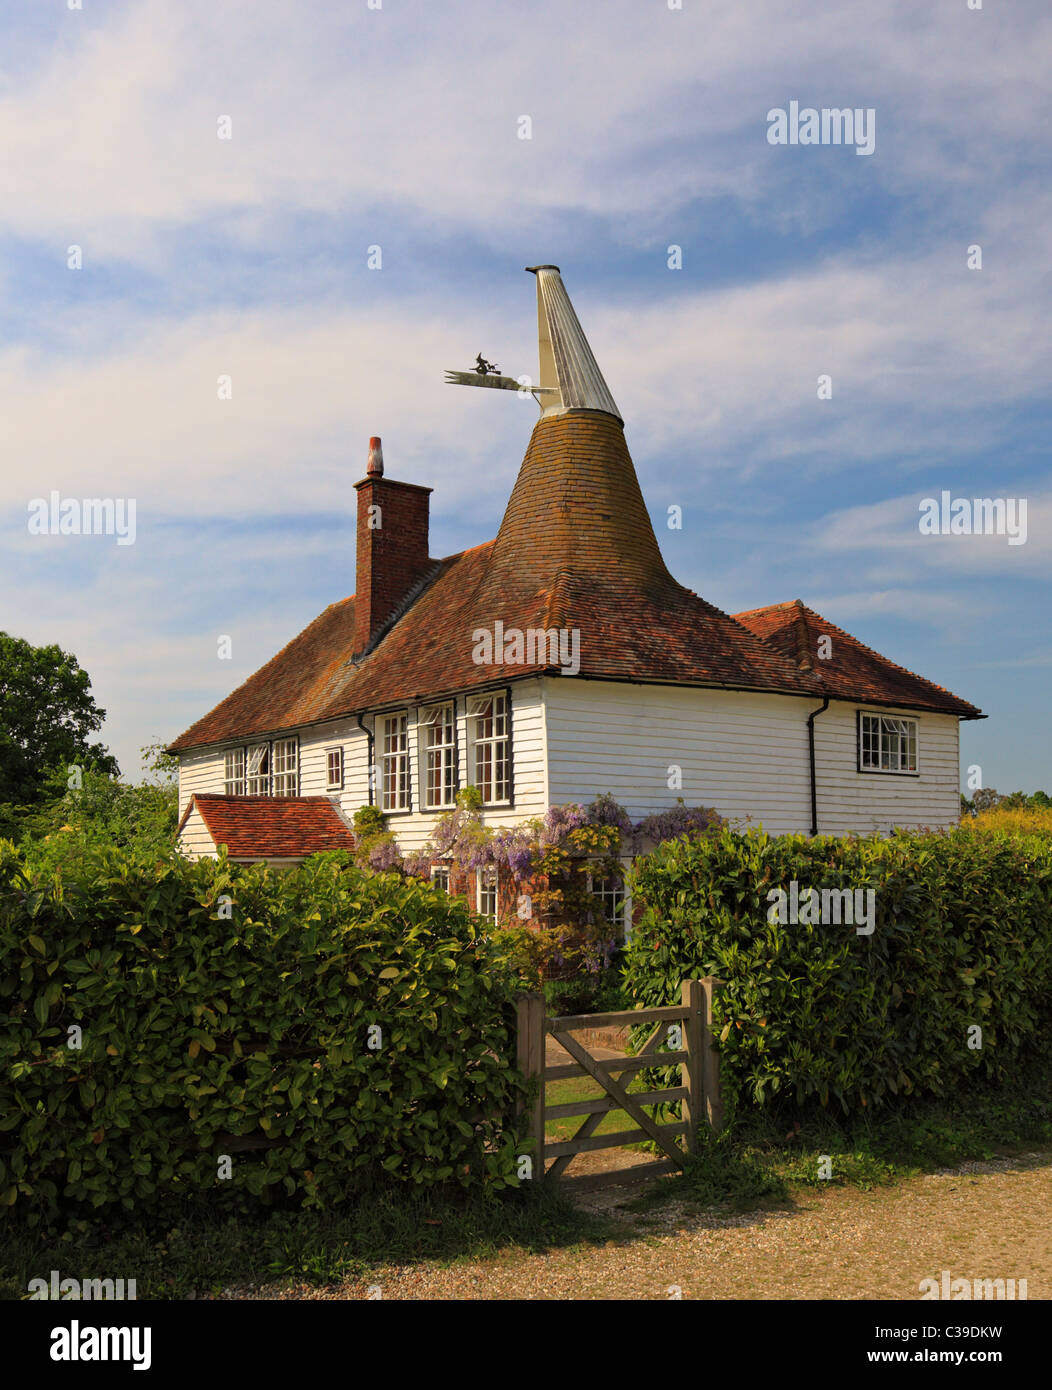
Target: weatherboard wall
[(744, 754), (203, 771)]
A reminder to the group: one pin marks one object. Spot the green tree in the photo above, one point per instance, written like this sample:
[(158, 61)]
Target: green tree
[(101, 811), (47, 715), (986, 798)]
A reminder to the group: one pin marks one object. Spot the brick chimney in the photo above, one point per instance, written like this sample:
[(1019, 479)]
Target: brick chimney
[(392, 545)]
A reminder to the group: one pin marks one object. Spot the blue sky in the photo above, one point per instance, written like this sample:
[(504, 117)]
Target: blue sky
[(398, 127)]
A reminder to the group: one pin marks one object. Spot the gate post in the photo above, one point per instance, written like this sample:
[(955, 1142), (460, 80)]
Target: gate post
[(692, 997), (530, 1058), (710, 1057)]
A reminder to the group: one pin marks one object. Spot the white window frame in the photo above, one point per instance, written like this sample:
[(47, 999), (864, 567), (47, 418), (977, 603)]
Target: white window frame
[(257, 783), (486, 882), (441, 871), (334, 784), (285, 767), (440, 756), (489, 783), (234, 772), (623, 927), (395, 771), (889, 745)]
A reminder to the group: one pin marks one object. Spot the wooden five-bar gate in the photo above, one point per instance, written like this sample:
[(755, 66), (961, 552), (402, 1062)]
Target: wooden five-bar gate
[(687, 1024)]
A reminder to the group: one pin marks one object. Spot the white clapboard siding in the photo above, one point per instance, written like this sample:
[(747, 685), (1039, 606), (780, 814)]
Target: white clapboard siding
[(744, 754), (194, 839), (856, 802), (199, 771), (414, 829), (203, 771)]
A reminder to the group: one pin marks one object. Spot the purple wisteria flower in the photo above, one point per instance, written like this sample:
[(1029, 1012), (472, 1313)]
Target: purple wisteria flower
[(604, 810), (384, 855), (514, 846), (560, 820)]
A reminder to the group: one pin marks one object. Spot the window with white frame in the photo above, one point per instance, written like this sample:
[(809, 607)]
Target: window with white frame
[(286, 775), (258, 773), (440, 876), (334, 769), (609, 888), (887, 743), (234, 772), (395, 762), (438, 740), (490, 747), (486, 892)]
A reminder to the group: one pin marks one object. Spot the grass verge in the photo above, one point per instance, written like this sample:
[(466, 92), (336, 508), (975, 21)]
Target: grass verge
[(759, 1158)]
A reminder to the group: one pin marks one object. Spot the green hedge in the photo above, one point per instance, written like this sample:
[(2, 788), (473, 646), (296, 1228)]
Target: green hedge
[(962, 936), (245, 1035)]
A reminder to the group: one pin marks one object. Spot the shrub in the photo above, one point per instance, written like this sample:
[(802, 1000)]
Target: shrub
[(963, 936), (227, 1010), (1032, 820)]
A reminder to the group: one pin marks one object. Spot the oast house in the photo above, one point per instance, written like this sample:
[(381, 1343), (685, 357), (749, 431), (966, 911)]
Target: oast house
[(555, 662)]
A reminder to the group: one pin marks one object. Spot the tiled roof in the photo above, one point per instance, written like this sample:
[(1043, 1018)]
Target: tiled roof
[(271, 827), (576, 550), (852, 671)]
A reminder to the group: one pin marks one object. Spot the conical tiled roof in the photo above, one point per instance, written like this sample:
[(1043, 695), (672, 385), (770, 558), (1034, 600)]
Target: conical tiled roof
[(577, 505)]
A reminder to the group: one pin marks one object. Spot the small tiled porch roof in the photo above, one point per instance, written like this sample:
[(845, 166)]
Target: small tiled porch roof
[(271, 827)]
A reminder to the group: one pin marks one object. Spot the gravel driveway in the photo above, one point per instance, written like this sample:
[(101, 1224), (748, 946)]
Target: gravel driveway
[(982, 1220)]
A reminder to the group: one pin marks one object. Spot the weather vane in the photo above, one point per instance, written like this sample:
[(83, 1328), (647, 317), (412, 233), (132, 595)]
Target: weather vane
[(569, 378), (489, 374)]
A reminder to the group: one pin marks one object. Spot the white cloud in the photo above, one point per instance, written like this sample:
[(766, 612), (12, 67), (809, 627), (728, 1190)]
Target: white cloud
[(892, 525), (112, 138)]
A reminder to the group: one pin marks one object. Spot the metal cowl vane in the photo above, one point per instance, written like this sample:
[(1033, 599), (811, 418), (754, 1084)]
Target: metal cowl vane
[(569, 377)]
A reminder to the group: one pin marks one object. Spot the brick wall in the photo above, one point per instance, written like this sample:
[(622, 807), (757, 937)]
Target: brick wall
[(392, 550)]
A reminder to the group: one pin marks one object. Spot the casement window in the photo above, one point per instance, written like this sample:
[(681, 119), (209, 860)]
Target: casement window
[(610, 890), (395, 762), (886, 743), (334, 769), (438, 732), (234, 773), (258, 777), (286, 771), (490, 747), (486, 892), (440, 877)]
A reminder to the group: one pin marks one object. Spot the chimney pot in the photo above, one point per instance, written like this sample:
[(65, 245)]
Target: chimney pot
[(375, 466)]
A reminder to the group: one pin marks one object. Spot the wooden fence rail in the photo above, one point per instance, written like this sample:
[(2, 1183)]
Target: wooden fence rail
[(699, 1089)]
